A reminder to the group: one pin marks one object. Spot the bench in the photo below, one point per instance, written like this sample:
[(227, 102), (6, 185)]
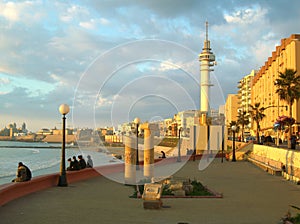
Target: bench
[(271, 166)]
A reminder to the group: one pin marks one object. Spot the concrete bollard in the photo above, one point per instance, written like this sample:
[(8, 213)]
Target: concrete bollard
[(148, 154), (130, 160), (149, 149)]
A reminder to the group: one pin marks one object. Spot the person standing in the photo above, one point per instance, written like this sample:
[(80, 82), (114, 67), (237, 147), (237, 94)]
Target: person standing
[(293, 141)]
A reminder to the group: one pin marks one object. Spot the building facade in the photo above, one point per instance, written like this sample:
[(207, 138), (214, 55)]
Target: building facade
[(286, 56), (231, 108), (244, 96), (244, 92)]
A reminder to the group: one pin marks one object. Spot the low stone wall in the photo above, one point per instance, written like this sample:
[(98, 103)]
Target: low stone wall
[(11, 191), (58, 138), (289, 158)]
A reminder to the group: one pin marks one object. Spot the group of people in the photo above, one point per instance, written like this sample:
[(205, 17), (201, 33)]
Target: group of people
[(80, 163), (23, 173)]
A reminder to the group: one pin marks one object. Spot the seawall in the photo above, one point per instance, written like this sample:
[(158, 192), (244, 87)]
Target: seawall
[(11, 191), (288, 157)]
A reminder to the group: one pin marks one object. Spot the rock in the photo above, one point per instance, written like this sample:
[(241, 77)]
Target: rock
[(188, 188), (179, 193)]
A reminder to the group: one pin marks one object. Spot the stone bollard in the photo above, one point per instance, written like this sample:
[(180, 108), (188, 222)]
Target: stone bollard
[(130, 160), (149, 149)]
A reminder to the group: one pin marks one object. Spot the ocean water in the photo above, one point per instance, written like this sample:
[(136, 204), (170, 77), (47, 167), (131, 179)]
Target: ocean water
[(42, 158)]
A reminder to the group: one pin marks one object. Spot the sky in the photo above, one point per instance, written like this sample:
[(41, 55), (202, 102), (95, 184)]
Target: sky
[(112, 61)]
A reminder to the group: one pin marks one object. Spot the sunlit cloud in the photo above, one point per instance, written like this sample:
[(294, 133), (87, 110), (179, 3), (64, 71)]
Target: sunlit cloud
[(46, 47)]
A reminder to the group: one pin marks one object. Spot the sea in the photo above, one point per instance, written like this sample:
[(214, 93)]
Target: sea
[(44, 158)]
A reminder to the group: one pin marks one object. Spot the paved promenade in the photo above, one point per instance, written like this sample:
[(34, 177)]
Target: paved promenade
[(250, 196)]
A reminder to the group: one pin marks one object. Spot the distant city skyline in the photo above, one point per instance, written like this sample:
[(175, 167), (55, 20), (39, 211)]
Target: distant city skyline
[(114, 60)]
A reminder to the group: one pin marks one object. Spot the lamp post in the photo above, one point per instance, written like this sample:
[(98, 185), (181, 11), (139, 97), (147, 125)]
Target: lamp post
[(137, 122), (62, 182), (233, 128), (179, 157)]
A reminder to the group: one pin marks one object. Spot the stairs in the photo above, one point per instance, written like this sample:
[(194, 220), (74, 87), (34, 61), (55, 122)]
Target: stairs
[(241, 151)]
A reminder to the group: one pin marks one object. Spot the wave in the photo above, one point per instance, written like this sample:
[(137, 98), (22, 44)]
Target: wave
[(34, 151), (46, 166), (11, 174)]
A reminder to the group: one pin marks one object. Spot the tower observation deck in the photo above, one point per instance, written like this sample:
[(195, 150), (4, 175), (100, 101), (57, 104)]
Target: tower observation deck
[(207, 61)]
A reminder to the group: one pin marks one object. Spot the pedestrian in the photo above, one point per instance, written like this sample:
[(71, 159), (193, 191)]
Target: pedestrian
[(23, 173), (89, 162), (293, 141), (82, 162)]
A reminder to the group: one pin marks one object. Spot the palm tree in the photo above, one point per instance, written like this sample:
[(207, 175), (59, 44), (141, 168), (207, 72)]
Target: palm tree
[(243, 120), (257, 114), (288, 89)]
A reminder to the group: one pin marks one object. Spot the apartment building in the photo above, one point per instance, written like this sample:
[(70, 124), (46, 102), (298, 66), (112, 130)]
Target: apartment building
[(244, 96), (231, 108), (286, 56)]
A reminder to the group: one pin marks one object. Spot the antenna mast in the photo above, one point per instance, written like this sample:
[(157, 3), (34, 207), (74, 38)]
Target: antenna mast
[(206, 26)]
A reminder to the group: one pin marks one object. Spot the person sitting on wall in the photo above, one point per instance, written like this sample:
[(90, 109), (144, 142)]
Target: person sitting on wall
[(76, 164), (71, 165), (82, 162), (163, 155), (23, 173), (89, 163)]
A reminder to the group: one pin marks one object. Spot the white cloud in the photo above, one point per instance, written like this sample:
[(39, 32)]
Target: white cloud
[(88, 25), (101, 102), (25, 12), (4, 81), (10, 11), (246, 15), (104, 21)]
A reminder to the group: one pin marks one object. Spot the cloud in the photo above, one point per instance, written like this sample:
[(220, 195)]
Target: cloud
[(246, 15), (57, 43)]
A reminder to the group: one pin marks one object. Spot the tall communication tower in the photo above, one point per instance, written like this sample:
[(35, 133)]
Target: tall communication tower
[(207, 61)]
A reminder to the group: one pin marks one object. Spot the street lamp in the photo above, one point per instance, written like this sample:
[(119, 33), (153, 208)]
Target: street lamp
[(137, 122), (63, 109), (179, 157), (233, 128)]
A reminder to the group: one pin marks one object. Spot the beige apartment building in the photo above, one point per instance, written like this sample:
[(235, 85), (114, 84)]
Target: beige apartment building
[(231, 108), (286, 56), (244, 96), (244, 93)]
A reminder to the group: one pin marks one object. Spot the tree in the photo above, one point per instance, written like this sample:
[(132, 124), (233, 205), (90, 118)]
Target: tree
[(243, 120), (24, 130), (257, 114), (288, 89)]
